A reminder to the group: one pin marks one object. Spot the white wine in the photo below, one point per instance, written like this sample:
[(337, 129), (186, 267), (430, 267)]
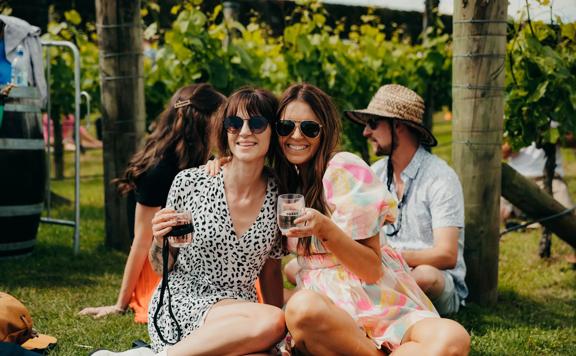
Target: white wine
[(286, 219)]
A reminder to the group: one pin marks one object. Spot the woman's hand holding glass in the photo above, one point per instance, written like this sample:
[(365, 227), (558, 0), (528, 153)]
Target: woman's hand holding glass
[(289, 208), (174, 225), (310, 223)]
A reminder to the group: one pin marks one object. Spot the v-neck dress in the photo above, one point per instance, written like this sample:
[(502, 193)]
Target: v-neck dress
[(218, 264)]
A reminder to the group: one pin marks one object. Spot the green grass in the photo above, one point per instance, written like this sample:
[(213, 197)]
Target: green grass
[(535, 314)]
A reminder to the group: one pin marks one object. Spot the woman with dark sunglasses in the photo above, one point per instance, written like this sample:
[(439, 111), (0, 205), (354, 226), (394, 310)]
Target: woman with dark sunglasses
[(354, 297), (211, 282)]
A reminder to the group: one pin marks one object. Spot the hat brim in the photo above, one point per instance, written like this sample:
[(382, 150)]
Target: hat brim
[(361, 117), (40, 342)]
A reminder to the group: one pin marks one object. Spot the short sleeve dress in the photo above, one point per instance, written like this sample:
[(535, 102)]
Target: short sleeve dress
[(218, 264), (360, 204)]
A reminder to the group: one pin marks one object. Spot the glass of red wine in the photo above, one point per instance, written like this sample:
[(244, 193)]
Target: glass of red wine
[(289, 208), (182, 233)]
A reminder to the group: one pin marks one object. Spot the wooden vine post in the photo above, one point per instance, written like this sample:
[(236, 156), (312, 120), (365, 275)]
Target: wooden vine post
[(122, 96), (478, 104)]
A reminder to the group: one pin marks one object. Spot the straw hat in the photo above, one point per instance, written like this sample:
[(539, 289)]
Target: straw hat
[(395, 101)]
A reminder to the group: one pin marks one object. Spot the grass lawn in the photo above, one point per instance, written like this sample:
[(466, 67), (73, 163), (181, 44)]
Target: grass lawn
[(535, 315)]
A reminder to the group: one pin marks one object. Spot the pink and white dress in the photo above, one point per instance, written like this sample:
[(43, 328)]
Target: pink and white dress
[(360, 205)]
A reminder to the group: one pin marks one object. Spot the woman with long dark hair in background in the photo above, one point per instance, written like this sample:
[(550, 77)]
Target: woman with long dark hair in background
[(180, 140)]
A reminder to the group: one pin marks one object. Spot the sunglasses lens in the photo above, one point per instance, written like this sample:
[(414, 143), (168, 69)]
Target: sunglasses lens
[(371, 124), (285, 127), (258, 124), (310, 128), (233, 124)]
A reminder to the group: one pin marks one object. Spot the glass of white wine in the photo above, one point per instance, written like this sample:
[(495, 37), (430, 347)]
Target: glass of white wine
[(289, 208)]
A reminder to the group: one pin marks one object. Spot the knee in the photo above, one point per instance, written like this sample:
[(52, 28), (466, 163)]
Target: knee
[(453, 341), (291, 270), (304, 310), (427, 277), (268, 327)]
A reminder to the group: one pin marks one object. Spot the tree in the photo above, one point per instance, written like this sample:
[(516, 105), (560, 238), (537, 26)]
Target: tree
[(541, 93), (122, 102)]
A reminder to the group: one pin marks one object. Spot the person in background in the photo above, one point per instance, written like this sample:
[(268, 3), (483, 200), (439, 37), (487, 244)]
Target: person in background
[(5, 66), (529, 161), (429, 232), (19, 32), (180, 140)]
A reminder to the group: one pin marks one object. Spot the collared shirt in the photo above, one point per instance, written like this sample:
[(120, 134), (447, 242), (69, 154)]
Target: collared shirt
[(432, 199)]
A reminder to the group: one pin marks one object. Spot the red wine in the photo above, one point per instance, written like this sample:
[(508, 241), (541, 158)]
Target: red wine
[(180, 230), (286, 219)]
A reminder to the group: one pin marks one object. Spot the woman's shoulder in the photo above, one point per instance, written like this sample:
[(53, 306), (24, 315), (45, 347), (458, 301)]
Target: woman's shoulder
[(347, 158), (195, 174), (349, 164)]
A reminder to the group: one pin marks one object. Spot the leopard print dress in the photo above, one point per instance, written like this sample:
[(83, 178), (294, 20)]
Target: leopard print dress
[(218, 264)]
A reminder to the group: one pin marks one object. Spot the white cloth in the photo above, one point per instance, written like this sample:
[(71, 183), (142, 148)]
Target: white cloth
[(16, 32), (530, 161)]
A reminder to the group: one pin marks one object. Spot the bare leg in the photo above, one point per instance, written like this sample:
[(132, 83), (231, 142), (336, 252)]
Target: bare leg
[(291, 269), (321, 328), (288, 294), (234, 328), (442, 337), (429, 279)]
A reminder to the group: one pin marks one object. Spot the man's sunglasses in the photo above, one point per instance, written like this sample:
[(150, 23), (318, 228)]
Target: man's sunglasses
[(257, 124), (373, 122), (310, 129)]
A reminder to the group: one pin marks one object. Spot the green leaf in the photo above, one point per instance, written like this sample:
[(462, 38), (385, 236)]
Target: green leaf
[(538, 93), (73, 16), (554, 135)]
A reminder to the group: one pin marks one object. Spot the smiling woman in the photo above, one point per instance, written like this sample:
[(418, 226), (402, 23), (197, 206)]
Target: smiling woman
[(354, 295), (236, 240)]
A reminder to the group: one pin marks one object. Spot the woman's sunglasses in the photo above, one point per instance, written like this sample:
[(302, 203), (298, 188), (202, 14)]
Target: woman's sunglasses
[(310, 129), (257, 124)]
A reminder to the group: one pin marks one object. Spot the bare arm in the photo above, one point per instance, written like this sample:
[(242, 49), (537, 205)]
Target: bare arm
[(138, 252), (361, 257), (271, 283), (134, 263), (444, 253)]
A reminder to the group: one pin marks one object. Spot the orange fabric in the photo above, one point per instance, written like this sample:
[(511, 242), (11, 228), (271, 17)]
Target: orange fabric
[(142, 294), (146, 286), (259, 292)]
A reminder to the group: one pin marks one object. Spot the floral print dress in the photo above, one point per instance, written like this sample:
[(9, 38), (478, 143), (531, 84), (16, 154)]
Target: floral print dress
[(360, 205)]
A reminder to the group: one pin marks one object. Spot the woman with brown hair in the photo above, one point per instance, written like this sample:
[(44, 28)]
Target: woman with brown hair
[(211, 305), (354, 297), (180, 140)]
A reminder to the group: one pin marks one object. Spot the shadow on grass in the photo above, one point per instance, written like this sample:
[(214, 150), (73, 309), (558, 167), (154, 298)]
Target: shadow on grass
[(53, 264), (515, 311)]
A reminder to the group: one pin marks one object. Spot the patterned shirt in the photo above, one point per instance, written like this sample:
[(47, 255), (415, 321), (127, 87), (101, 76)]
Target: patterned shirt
[(432, 199)]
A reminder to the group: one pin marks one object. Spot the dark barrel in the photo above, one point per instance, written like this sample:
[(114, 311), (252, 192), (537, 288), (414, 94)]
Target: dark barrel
[(22, 172)]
